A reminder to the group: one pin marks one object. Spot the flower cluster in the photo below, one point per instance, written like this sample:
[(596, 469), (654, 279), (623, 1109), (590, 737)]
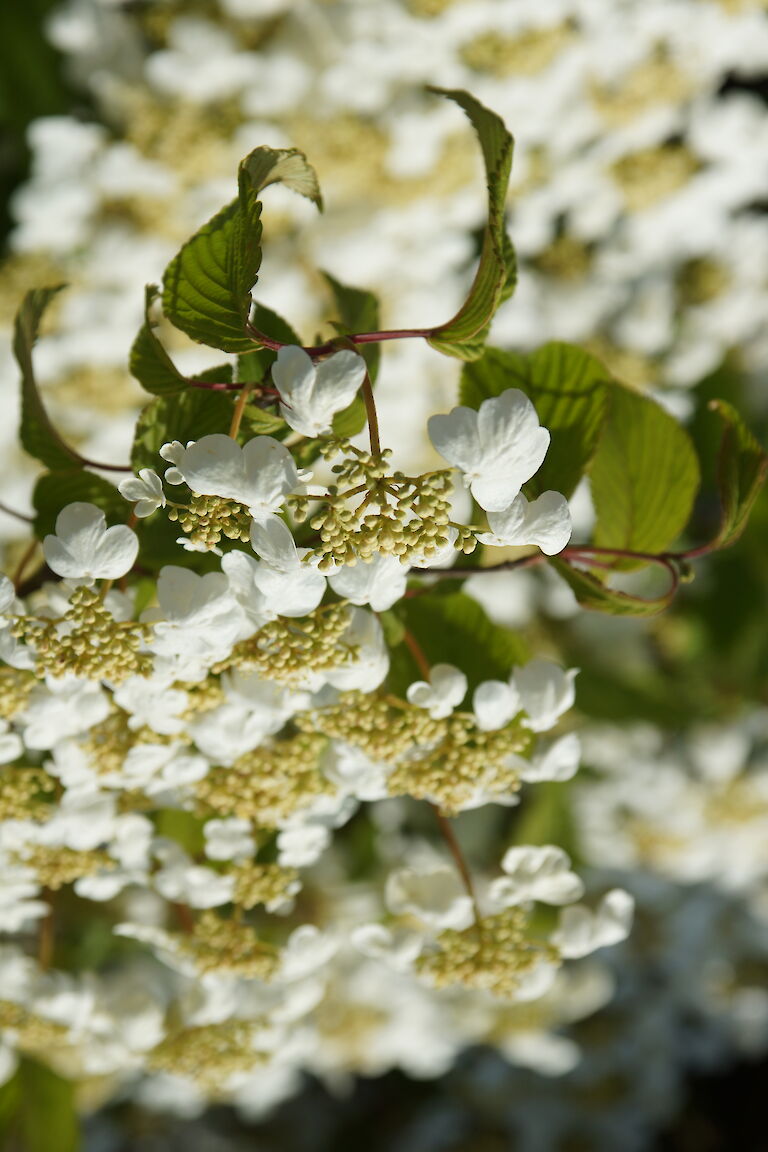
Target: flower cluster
[(200, 750)]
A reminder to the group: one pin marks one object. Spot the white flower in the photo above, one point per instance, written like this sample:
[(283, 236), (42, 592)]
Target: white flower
[(289, 586), (379, 582), (146, 490), (302, 844), (536, 873), (545, 522), (183, 882), (371, 665), (558, 762), (546, 691), (582, 931), (228, 839), (494, 704), (84, 549), (446, 689), (311, 394), (497, 448), (437, 897), (259, 475)]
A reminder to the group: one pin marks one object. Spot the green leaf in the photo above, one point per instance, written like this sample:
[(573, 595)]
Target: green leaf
[(253, 366), (47, 1116), (181, 416), (644, 477), (207, 286), (592, 593), (452, 628), (741, 472), (149, 362), (568, 388), (38, 436), (289, 166), (358, 311), (54, 490), (464, 335)]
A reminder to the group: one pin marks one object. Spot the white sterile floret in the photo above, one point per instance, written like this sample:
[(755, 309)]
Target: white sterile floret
[(311, 394), (259, 475), (146, 490), (494, 704), (546, 691), (437, 897), (559, 761), (446, 689), (302, 845), (497, 448), (228, 839), (84, 549), (582, 931), (536, 873), (288, 585), (545, 522), (379, 582)]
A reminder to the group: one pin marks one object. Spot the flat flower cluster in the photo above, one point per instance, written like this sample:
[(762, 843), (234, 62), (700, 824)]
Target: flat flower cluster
[(191, 765)]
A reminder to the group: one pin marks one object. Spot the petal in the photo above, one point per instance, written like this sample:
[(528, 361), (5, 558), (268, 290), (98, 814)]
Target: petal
[(213, 466), (448, 683), (270, 475), (293, 374), (495, 492), (549, 522), (116, 553), (338, 379), (80, 527), (274, 543), (455, 436), (560, 761), (494, 704)]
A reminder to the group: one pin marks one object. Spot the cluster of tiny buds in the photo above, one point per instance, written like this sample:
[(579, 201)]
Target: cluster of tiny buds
[(396, 515), (57, 866), (444, 760), (267, 784), (26, 793), (208, 1054), (86, 640), (269, 884), (220, 945), (493, 954), (207, 518), (286, 649)]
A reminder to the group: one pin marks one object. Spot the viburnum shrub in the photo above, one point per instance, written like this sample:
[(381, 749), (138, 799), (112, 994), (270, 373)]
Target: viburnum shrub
[(256, 651)]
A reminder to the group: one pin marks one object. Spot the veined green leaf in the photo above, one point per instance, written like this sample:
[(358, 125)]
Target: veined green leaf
[(569, 390), (181, 416), (207, 286), (741, 472), (644, 477), (38, 436), (149, 362), (592, 593), (54, 490), (452, 628), (358, 312), (464, 335)]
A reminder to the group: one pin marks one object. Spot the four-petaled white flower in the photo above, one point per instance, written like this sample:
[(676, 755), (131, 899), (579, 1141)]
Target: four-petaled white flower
[(545, 522), (84, 549), (497, 448), (259, 475), (288, 585), (311, 394), (173, 452), (536, 873), (229, 839), (437, 897), (446, 689), (582, 931), (546, 691), (146, 489)]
